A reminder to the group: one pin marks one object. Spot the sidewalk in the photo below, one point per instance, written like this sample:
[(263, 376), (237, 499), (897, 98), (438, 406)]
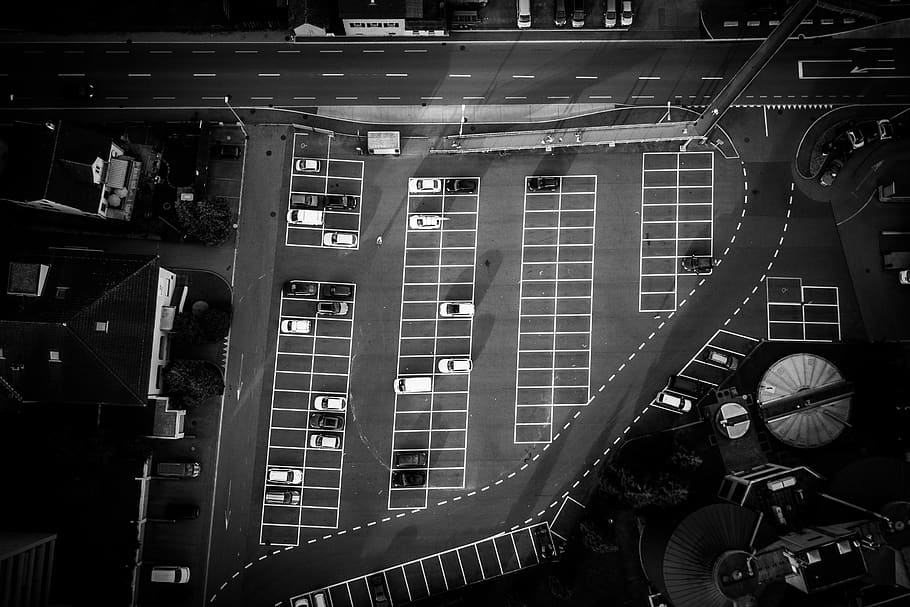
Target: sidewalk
[(519, 113), (564, 138)]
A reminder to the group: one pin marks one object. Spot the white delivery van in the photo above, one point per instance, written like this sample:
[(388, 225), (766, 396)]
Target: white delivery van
[(413, 385), (524, 13)]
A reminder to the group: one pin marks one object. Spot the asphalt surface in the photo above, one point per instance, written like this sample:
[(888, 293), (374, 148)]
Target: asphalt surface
[(414, 72), (759, 226)]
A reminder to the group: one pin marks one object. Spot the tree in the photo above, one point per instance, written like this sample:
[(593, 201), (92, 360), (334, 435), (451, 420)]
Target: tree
[(214, 324), (208, 221), (596, 539), (186, 329), (194, 380)]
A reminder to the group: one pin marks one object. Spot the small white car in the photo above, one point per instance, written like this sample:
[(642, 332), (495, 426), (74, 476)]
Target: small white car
[(170, 574), (325, 441), (903, 277), (330, 403), (424, 186), (306, 165), (450, 309), (298, 326), (284, 476), (305, 217), (341, 240), (625, 16), (413, 385), (672, 402), (425, 222), (455, 365)]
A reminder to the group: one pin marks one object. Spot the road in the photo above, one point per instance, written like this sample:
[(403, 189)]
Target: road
[(414, 72)]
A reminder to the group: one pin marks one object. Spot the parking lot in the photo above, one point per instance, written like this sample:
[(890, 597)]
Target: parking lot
[(439, 259), (677, 221), (324, 176), (557, 273), (802, 313), (311, 366), (438, 573)]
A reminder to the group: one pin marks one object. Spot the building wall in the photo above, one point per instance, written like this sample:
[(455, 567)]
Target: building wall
[(375, 27), (167, 283)]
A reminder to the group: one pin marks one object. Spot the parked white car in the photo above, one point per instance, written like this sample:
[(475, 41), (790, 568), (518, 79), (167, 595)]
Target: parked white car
[(306, 165), (425, 222), (340, 240), (424, 186), (298, 326), (284, 476), (325, 441), (325, 402), (450, 309), (455, 365), (672, 402)]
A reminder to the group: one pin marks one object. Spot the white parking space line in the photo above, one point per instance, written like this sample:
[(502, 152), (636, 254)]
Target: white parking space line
[(797, 312), (330, 179), (677, 221), (444, 242), (555, 305), (294, 386)]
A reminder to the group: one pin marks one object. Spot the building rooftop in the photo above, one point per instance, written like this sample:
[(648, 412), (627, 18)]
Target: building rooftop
[(84, 331)]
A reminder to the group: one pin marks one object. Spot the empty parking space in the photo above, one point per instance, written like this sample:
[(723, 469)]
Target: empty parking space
[(677, 222), (308, 411), (797, 312), (438, 573), (434, 350), (554, 328), (330, 190)]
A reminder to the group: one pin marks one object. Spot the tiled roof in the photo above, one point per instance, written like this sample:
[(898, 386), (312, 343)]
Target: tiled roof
[(81, 290)]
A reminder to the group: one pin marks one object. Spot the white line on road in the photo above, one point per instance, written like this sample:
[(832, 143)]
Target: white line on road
[(642, 96), (289, 51), (375, 50), (346, 98), (331, 75), (600, 96), (203, 52), (712, 77), (459, 75), (116, 52), (331, 51), (764, 111), (396, 75), (586, 77), (261, 98), (163, 98), (431, 98), (415, 50), (139, 75), (71, 75), (304, 98), (516, 97), (472, 98), (116, 98), (559, 97), (389, 98), (75, 52), (160, 52), (522, 76), (269, 75), (204, 76), (649, 77)]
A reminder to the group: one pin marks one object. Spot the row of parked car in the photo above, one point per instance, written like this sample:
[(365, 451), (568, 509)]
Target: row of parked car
[(172, 513), (836, 152), (612, 16)]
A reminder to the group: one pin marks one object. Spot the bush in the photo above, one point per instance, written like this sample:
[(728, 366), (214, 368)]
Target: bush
[(207, 221), (214, 324), (194, 380)]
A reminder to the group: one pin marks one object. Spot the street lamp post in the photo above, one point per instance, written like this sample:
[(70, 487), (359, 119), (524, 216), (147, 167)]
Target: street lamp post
[(227, 102)]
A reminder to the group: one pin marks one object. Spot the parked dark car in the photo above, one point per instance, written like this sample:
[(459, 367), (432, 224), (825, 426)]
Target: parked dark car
[(181, 512), (403, 478), (341, 201), (559, 16), (410, 459), (299, 288), (835, 166), (543, 541), (178, 469), (543, 184), (327, 421), (333, 291), (378, 590), (697, 265), (229, 150), (307, 201), (467, 186)]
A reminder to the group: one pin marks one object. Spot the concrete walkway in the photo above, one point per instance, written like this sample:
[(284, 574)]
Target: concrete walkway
[(548, 140), (452, 114)]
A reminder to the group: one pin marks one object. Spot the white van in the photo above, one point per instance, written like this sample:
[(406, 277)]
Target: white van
[(171, 574), (524, 13), (610, 14), (413, 385)]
